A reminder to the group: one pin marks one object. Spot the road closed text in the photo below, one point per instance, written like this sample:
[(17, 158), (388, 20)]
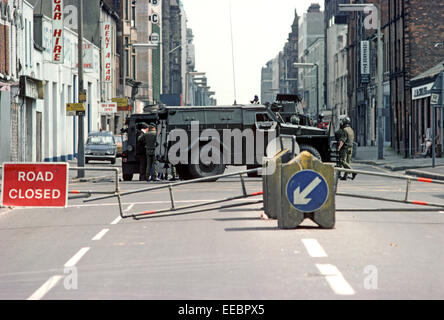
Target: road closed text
[(34, 194), (35, 185)]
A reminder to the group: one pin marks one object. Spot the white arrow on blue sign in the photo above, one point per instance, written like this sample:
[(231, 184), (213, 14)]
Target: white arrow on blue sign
[(307, 191)]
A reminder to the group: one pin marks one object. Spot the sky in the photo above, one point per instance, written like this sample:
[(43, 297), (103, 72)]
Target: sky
[(260, 31)]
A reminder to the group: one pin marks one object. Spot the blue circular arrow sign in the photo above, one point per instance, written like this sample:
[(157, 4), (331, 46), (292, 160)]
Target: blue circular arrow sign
[(307, 191)]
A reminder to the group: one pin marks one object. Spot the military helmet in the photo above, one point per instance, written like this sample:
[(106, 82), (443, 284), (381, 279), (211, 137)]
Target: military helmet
[(344, 120)]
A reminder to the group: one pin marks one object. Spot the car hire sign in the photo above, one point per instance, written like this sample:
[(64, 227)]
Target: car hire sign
[(107, 52), (57, 31), (42, 185)]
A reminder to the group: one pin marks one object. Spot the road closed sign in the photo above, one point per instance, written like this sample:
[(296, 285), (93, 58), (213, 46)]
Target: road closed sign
[(42, 185)]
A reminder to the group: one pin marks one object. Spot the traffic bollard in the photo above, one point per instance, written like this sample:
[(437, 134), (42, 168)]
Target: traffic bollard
[(307, 191)]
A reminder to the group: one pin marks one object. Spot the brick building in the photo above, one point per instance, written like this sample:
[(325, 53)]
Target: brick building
[(411, 28), (289, 74)]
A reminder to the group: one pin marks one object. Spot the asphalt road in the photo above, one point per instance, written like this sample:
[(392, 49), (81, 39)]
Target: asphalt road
[(88, 252)]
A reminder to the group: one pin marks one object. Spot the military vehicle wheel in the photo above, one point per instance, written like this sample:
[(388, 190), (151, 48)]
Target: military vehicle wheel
[(183, 172), (203, 171), (127, 177), (312, 150)]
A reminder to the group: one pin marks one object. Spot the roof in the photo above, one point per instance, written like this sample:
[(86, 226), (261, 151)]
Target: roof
[(239, 106), (431, 73)]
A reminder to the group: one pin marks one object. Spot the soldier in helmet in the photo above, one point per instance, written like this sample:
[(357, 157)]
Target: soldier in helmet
[(148, 139), (347, 138)]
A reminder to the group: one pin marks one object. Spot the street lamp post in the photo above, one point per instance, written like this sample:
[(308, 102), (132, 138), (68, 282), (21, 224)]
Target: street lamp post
[(365, 8), (81, 124), (148, 46), (308, 66)]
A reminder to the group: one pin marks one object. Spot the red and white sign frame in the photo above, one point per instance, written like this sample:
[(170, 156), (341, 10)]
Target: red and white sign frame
[(35, 185)]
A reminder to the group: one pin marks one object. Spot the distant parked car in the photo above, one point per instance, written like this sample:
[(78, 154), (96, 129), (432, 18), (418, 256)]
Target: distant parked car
[(118, 140), (101, 146)]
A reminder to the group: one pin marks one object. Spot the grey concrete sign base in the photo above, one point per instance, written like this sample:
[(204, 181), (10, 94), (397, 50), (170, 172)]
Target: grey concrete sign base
[(307, 190)]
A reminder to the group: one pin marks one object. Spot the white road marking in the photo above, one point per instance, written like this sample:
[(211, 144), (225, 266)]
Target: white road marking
[(116, 220), (45, 288), (100, 235), (76, 258), (335, 279), (119, 218), (314, 248)]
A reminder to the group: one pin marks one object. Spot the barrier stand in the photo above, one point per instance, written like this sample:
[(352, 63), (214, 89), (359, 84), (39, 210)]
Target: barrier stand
[(408, 179), (308, 190)]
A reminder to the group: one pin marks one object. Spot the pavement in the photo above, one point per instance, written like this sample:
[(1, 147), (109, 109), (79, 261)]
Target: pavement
[(419, 167)]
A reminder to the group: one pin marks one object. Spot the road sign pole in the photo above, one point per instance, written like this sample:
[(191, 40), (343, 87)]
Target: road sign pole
[(81, 146)]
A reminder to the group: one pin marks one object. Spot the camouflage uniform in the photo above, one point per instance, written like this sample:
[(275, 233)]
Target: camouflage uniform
[(346, 152)]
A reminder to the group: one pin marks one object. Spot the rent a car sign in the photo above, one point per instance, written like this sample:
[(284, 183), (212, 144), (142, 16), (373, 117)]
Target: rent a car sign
[(35, 185)]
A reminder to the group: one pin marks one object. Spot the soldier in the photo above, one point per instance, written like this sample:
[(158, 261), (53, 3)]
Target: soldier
[(141, 151), (255, 100), (149, 140), (346, 146)]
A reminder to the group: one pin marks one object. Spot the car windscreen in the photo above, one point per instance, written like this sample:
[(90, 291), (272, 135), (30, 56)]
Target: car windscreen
[(100, 140)]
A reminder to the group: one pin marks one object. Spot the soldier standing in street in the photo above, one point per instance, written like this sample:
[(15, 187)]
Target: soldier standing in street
[(141, 151), (346, 146), (149, 140)]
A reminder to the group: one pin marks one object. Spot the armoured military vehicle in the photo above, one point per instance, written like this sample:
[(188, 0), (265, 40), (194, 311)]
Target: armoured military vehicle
[(224, 135)]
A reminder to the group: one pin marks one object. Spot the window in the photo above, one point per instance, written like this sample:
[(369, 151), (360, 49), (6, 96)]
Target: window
[(31, 47), (133, 57), (127, 61), (264, 122), (263, 117), (127, 5), (133, 16), (100, 140), (26, 42)]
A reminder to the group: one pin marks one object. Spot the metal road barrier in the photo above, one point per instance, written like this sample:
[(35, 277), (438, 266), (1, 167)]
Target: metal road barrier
[(174, 208), (81, 194), (408, 179), (88, 193)]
